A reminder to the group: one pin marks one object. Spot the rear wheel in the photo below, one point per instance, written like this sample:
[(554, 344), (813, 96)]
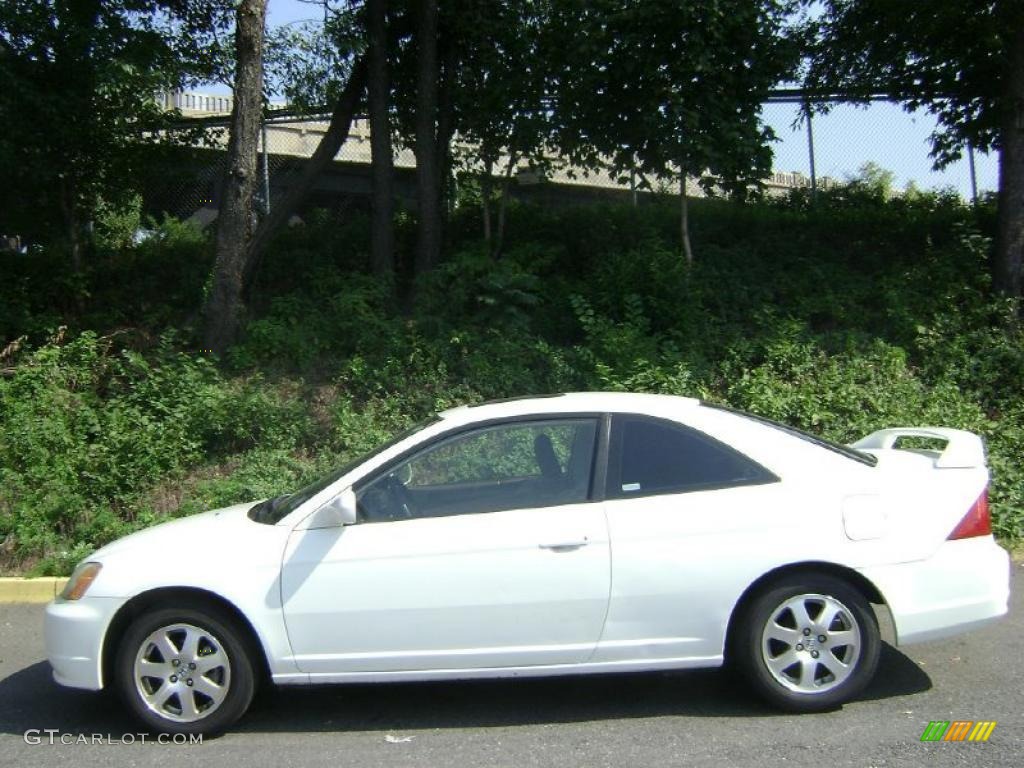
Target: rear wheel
[(185, 671), (807, 642)]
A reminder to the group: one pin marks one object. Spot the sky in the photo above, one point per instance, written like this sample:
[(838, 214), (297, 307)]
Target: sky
[(844, 140), (882, 133), (288, 11)]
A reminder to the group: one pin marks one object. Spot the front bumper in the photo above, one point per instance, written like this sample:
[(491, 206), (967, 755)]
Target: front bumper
[(964, 585), (74, 632)]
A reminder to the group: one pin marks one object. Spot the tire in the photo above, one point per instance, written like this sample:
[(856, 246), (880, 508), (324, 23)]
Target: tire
[(185, 670), (807, 642)]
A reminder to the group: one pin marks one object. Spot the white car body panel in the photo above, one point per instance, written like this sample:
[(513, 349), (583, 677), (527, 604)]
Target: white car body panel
[(221, 552), (464, 591), (668, 553), (964, 585), (652, 584)]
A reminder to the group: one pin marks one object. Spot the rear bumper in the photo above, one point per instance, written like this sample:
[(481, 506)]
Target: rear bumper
[(74, 632), (964, 585)]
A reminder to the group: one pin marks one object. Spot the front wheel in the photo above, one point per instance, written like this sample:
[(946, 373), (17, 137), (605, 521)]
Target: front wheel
[(807, 643), (184, 671)]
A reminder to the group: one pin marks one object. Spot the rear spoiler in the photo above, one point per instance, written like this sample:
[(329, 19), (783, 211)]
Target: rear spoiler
[(963, 449)]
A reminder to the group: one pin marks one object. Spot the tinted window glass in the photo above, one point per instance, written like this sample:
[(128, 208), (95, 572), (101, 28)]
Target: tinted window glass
[(507, 466), (650, 457), (842, 450)]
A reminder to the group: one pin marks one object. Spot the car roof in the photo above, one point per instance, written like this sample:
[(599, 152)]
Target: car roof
[(570, 402)]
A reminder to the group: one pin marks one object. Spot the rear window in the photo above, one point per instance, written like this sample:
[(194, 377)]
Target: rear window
[(821, 442), (650, 456)]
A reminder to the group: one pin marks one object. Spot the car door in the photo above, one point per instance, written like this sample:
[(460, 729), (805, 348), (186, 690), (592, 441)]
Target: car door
[(687, 515), (481, 550)]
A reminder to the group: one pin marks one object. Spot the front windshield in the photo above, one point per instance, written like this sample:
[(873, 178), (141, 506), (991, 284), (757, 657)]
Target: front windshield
[(273, 510)]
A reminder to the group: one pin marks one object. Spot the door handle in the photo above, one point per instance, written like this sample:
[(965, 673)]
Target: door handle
[(566, 546)]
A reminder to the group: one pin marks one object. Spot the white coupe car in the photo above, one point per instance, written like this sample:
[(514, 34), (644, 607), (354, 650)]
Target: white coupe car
[(569, 534)]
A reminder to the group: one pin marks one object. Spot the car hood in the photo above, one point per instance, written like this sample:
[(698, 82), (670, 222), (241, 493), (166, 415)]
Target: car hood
[(203, 526)]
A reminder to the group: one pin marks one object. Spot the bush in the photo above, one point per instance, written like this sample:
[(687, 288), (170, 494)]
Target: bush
[(335, 315), (860, 312), (85, 428)]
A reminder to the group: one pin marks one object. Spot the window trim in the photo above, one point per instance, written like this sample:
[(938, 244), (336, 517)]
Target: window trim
[(597, 468), (613, 473)]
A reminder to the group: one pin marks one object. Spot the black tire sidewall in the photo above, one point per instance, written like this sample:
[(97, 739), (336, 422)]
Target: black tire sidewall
[(747, 646), (241, 687)]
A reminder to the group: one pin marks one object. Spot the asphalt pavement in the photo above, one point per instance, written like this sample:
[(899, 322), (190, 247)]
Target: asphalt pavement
[(700, 718)]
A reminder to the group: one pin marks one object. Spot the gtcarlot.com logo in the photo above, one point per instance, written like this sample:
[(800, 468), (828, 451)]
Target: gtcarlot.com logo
[(958, 730), (54, 736)]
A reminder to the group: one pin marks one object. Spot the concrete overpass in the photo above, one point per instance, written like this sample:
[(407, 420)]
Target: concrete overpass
[(287, 141)]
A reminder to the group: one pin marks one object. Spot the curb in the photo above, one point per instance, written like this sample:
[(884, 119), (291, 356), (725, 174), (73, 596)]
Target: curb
[(21, 590)]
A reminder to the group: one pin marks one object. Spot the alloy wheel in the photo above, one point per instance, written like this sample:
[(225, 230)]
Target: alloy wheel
[(182, 672), (811, 643)]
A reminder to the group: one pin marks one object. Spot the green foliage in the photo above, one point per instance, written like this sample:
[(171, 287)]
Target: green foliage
[(472, 284), (117, 223), (667, 85), (874, 181), (169, 268), (848, 394), (85, 427), (341, 314), (167, 273), (77, 82), (863, 313), (915, 50)]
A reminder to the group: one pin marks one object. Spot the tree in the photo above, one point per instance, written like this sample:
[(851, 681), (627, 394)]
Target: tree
[(346, 107), (78, 81), (235, 219), (382, 163), (668, 89), (315, 64), (963, 62), (309, 65), (428, 191), (500, 104)]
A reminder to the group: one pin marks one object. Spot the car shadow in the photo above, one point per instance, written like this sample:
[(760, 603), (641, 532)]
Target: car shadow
[(32, 700)]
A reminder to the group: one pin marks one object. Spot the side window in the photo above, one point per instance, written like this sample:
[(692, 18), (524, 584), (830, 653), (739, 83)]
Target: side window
[(505, 466), (649, 456)]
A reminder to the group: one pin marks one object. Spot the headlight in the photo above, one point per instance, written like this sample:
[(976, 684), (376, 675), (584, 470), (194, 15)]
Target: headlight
[(80, 581)]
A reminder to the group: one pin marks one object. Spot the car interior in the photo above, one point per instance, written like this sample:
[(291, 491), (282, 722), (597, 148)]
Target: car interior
[(516, 466)]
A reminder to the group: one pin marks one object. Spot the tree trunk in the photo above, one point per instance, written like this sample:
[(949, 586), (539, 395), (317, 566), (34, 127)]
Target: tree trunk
[(234, 223), (445, 127), (75, 63), (506, 183), (382, 237), (486, 187), (72, 229), (428, 246), (1010, 234), (337, 131), (69, 205), (684, 219)]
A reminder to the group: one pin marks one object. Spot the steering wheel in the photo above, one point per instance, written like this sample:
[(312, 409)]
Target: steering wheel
[(399, 496)]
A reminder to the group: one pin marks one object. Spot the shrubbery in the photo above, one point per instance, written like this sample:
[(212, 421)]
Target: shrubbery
[(859, 314)]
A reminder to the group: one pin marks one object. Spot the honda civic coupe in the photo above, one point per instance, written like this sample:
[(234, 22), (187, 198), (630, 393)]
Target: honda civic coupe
[(568, 534)]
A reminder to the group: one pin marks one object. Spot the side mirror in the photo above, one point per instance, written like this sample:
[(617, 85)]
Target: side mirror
[(339, 511)]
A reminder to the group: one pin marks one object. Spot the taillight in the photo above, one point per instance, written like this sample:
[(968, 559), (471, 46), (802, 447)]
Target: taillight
[(976, 522)]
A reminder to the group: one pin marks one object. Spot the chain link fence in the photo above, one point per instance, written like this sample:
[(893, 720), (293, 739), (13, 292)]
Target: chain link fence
[(848, 136), (830, 148)]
